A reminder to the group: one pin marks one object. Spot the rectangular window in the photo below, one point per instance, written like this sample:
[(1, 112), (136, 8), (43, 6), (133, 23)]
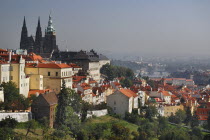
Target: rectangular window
[(48, 73), (11, 77), (56, 74)]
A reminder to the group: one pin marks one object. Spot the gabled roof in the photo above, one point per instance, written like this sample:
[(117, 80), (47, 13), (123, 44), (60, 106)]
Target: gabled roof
[(128, 93), (50, 98)]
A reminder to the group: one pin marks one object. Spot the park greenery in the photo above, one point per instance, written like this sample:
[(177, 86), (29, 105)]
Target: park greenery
[(111, 72), (12, 99)]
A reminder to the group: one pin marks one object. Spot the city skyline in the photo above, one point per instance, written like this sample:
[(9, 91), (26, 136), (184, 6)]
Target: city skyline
[(114, 27)]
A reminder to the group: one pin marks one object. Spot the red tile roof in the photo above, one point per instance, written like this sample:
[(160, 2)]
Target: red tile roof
[(33, 92), (47, 65), (165, 93), (128, 93)]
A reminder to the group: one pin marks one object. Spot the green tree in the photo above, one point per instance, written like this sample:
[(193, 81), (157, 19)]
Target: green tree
[(174, 134), (120, 132), (8, 122), (151, 111), (180, 116), (188, 116), (12, 99), (68, 105), (126, 82), (194, 121), (7, 133)]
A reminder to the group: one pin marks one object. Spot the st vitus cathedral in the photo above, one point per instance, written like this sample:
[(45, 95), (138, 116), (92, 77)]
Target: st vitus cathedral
[(44, 46)]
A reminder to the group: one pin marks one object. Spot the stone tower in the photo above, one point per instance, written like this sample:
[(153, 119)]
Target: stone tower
[(50, 38)]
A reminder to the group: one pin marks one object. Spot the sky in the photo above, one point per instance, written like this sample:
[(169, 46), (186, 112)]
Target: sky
[(114, 27)]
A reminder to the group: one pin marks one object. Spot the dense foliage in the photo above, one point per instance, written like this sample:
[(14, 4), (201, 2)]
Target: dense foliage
[(67, 121), (12, 99), (112, 72)]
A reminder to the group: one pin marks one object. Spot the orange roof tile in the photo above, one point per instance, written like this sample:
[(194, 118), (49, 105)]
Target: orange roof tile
[(33, 92), (47, 65), (165, 93), (128, 93)]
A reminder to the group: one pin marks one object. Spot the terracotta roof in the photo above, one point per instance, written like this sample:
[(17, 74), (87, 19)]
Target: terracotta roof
[(128, 93), (74, 65), (165, 93), (93, 81), (78, 78), (47, 65), (33, 92), (3, 62), (3, 50)]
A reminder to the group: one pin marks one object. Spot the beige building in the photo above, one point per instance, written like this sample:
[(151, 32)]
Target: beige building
[(122, 101), (13, 70), (18, 76), (49, 75), (169, 109), (5, 71)]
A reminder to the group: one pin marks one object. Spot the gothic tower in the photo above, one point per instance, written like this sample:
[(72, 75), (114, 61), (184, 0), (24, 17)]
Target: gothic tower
[(38, 39), (50, 38), (24, 36)]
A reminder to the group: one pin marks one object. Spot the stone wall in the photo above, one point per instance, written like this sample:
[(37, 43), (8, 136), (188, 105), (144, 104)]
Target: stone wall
[(19, 116), (97, 113)]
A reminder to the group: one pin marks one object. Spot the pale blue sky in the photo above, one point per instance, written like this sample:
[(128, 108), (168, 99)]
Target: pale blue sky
[(138, 27)]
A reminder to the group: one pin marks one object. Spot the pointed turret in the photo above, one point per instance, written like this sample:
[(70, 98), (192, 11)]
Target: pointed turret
[(24, 36), (50, 29), (50, 38), (38, 38)]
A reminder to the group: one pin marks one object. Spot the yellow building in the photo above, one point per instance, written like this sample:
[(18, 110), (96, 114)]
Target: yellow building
[(13, 70), (172, 109), (18, 76), (49, 75)]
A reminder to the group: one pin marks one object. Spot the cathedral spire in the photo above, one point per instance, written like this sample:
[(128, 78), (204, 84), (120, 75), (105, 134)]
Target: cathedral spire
[(39, 22), (24, 22), (38, 38), (24, 36)]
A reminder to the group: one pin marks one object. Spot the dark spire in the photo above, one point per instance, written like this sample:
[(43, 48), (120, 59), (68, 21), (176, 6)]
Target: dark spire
[(38, 38), (39, 22), (24, 22), (24, 36)]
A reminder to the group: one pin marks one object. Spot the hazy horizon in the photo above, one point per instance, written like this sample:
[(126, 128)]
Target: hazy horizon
[(121, 27)]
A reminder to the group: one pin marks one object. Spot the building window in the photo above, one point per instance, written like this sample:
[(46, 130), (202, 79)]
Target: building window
[(114, 102), (114, 108), (11, 77), (56, 74), (48, 73)]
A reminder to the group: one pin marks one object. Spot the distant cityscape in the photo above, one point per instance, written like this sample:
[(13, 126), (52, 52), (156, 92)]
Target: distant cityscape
[(43, 78)]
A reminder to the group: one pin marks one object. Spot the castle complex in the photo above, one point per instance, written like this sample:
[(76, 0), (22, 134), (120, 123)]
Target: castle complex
[(43, 46)]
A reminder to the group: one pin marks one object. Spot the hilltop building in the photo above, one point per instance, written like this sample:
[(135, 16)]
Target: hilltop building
[(43, 46)]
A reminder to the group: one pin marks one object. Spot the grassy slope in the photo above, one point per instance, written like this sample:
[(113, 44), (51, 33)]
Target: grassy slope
[(108, 119)]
